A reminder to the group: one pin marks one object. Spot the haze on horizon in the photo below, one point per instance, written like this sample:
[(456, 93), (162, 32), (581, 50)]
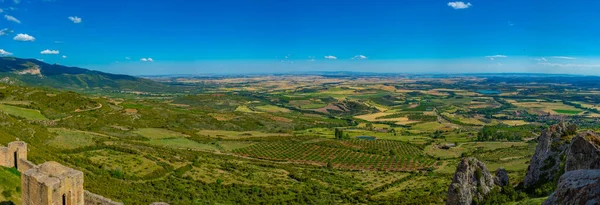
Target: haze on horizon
[(233, 36)]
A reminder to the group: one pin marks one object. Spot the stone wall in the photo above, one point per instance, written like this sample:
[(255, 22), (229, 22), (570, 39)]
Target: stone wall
[(24, 165), (52, 184), (95, 199), (14, 149)]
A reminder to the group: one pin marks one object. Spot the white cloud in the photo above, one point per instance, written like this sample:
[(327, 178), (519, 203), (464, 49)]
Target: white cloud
[(50, 52), (1, 10), (360, 57), (23, 37), (17, 1), (564, 57), (58, 42), (496, 56), (5, 32), (541, 59), (11, 18), (64, 56), (75, 19), (331, 57), (127, 58), (4, 53), (459, 5), (147, 60)]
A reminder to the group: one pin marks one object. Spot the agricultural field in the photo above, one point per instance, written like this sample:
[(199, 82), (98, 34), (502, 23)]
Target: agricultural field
[(270, 139), (29, 114), (71, 139), (347, 154)]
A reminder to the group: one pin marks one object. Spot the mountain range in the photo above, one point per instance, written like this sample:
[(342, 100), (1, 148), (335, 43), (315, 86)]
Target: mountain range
[(33, 72)]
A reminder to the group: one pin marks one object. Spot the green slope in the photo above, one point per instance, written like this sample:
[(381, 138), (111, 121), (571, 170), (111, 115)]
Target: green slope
[(10, 186), (36, 73)]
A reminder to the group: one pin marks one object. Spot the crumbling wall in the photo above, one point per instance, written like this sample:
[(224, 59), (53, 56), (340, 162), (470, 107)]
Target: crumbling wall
[(16, 149), (52, 184), (24, 165), (95, 199)]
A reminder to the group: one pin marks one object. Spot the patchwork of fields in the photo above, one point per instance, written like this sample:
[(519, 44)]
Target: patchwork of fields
[(289, 139)]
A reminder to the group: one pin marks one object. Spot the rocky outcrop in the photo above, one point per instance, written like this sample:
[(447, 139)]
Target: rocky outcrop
[(502, 177), (584, 152), (577, 187), (551, 148), (472, 180)]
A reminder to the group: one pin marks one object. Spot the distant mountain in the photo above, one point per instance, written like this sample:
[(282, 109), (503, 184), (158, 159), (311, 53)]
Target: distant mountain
[(37, 73)]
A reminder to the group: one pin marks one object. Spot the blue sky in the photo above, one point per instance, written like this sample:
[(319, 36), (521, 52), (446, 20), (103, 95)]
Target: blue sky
[(240, 36)]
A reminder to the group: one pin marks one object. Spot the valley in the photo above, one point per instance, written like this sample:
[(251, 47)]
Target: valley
[(294, 139)]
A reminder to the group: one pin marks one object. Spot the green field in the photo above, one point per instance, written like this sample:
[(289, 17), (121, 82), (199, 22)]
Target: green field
[(568, 112), (127, 164), (158, 133), (182, 143), (348, 154), (22, 112), (266, 139), (71, 139)]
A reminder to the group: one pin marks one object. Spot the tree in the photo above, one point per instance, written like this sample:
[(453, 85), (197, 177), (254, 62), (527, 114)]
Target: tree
[(370, 126)]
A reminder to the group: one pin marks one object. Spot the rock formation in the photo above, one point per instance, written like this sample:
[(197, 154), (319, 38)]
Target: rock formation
[(472, 180), (545, 163), (584, 152), (581, 183), (502, 177), (577, 187)]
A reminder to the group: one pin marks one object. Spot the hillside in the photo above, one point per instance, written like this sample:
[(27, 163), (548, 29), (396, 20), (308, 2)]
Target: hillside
[(37, 73)]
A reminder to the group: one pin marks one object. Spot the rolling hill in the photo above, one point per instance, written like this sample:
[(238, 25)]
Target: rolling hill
[(37, 73)]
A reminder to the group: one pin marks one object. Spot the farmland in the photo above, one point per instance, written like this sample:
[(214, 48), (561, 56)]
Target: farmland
[(348, 154), (313, 139)]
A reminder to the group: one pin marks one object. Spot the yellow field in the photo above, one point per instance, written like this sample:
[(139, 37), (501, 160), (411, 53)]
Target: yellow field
[(272, 108), (433, 126), (514, 122), (373, 118), (473, 121), (243, 108), (546, 107)]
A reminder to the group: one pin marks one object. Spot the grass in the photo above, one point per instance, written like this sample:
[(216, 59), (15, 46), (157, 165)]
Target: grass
[(313, 106), (568, 112), (228, 146), (377, 117), (549, 107), (29, 114), (237, 135), (243, 108), (158, 133), (510, 165), (515, 122), (10, 183), (130, 164), (183, 143), (433, 126), (486, 146), (271, 108), (242, 173), (71, 139)]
